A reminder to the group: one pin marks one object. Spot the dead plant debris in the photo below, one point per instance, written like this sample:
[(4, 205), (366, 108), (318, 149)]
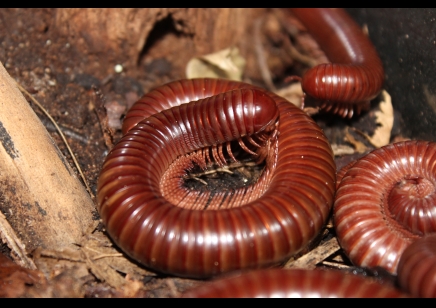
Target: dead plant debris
[(88, 105)]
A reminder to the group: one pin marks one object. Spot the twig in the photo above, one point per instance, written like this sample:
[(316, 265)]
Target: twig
[(107, 255), (8, 236), (335, 265), (62, 136), (225, 169), (172, 288), (359, 146), (315, 256), (295, 54), (260, 55), (68, 132)]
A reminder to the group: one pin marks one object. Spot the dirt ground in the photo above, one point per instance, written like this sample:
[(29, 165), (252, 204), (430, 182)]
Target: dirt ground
[(65, 80)]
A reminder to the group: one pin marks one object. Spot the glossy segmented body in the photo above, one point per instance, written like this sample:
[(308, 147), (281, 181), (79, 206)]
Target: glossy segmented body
[(417, 268), (386, 201), (295, 283), (292, 201), (355, 75)]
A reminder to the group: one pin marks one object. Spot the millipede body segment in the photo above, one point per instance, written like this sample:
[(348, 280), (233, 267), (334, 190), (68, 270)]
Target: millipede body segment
[(355, 75), (386, 201), (295, 283), (249, 228)]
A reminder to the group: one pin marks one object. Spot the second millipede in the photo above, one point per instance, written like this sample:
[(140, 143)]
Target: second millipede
[(294, 283), (385, 201), (356, 74)]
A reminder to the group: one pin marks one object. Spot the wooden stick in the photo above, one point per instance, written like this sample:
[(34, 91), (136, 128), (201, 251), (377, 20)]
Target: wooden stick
[(40, 195)]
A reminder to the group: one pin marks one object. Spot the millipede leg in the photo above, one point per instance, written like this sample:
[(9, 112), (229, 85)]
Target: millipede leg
[(244, 147)]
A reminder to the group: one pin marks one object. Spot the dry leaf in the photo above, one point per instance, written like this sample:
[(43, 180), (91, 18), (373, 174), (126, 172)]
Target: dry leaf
[(385, 118), (359, 146), (339, 149), (227, 63), (96, 254), (293, 93)]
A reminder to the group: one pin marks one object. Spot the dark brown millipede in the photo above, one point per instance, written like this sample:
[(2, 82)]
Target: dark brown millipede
[(292, 202), (386, 201), (417, 268), (295, 283), (356, 73)]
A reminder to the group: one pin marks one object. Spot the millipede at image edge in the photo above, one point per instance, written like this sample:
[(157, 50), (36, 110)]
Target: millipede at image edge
[(294, 283), (417, 267), (385, 201)]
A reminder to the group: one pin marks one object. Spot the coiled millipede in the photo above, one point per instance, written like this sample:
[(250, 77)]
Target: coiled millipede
[(417, 267), (385, 201), (251, 227), (356, 74), (156, 220)]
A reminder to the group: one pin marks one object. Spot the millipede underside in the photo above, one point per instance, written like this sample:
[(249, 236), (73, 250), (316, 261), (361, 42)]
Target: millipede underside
[(197, 181)]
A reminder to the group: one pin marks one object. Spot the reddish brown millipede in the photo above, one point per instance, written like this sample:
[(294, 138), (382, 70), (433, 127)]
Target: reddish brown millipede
[(356, 73), (292, 201), (417, 268), (295, 283), (156, 221), (385, 201)]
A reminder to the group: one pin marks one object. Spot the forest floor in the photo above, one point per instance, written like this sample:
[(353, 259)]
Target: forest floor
[(65, 81)]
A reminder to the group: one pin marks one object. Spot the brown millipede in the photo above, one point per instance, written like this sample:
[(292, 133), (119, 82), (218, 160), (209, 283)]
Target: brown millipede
[(356, 73), (293, 195), (385, 201), (417, 267), (295, 283)]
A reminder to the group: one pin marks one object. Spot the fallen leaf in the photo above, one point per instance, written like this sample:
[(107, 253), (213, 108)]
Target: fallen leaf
[(293, 93), (385, 118), (359, 146), (227, 63), (339, 149)]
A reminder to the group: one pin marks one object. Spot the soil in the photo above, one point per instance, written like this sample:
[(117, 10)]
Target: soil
[(65, 81)]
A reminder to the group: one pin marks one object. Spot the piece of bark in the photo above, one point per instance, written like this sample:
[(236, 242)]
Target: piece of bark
[(40, 196), (107, 30), (315, 256), (121, 35), (16, 281)]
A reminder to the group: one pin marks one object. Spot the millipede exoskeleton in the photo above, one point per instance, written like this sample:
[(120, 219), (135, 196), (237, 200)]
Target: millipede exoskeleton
[(385, 201), (249, 227), (417, 268), (355, 75), (296, 283)]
